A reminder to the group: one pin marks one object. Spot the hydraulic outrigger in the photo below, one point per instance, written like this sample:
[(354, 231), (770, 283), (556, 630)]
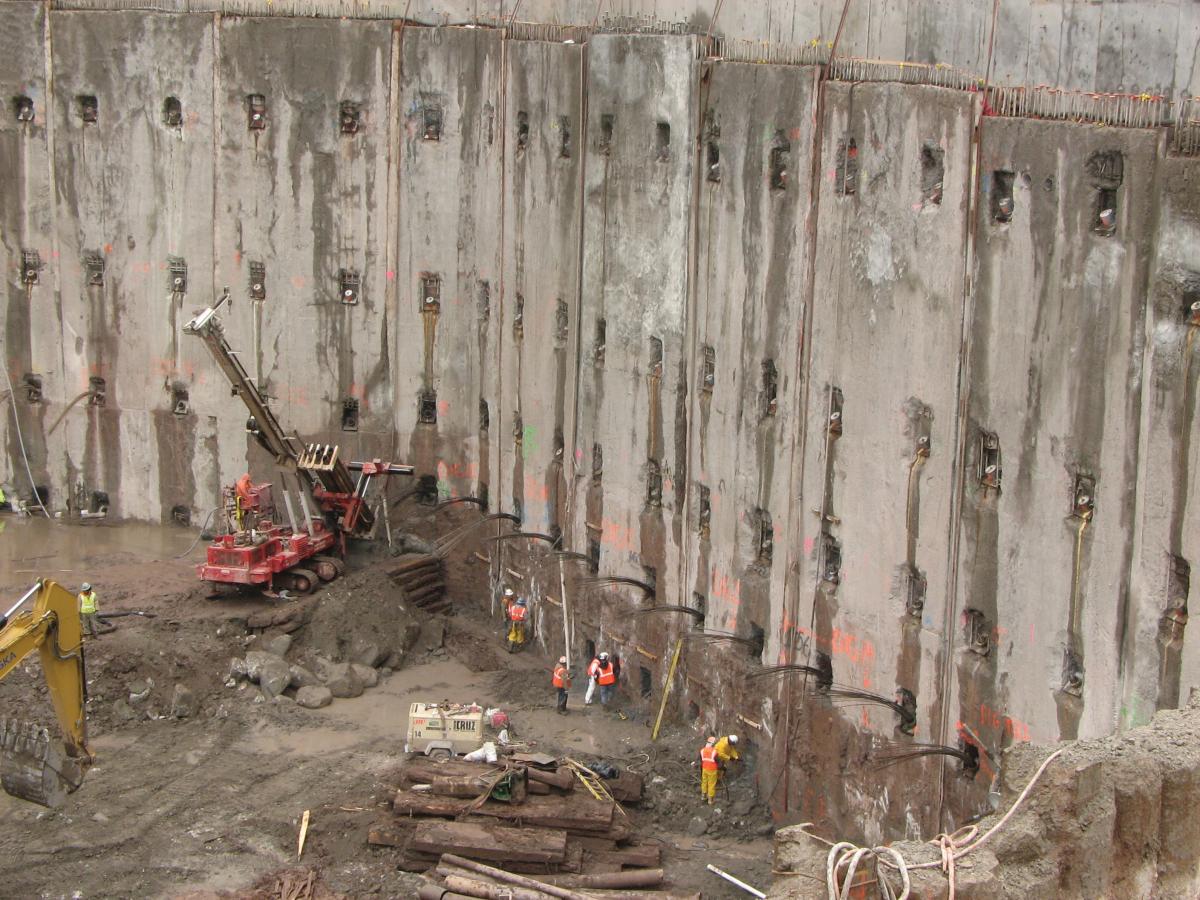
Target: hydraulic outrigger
[(257, 550)]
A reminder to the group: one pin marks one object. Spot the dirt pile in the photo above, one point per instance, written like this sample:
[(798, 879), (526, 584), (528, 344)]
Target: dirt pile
[(1108, 818)]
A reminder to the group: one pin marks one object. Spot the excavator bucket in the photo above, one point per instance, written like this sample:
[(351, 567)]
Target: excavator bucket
[(34, 766)]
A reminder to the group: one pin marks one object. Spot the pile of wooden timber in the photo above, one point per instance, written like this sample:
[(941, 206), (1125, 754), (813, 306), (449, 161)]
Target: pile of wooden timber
[(423, 579), (553, 826)]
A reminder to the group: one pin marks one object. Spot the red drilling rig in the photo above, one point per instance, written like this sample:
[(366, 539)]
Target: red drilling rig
[(329, 505)]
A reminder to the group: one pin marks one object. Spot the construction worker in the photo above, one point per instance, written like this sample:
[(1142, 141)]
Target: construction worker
[(593, 672), (562, 681), (518, 613), (509, 599), (708, 770), (87, 609), (727, 748), (606, 677)]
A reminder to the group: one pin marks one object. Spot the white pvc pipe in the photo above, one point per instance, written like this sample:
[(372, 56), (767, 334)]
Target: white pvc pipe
[(754, 892)]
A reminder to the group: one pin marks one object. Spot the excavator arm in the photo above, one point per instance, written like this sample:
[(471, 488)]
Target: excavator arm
[(33, 765)]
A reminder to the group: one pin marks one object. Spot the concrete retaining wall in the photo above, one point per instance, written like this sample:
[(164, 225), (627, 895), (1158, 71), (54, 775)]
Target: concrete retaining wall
[(491, 203)]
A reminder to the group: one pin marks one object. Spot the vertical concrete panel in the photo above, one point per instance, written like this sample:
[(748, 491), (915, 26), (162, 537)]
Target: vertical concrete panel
[(637, 241), (1162, 655), (133, 190), (1055, 361), (543, 162), (308, 202), (882, 432), (756, 134), (1136, 47), (449, 207), (29, 314)]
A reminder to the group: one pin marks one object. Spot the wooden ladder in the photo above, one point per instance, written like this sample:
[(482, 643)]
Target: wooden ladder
[(593, 782)]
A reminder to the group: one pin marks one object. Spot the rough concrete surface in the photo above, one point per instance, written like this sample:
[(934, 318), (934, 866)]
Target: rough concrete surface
[(556, 307)]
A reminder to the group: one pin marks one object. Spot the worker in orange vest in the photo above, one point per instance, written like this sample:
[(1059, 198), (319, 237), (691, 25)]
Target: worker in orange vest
[(708, 770), (562, 681), (606, 677), (518, 613)]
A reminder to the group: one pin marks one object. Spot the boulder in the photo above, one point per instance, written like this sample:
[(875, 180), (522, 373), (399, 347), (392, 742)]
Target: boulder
[(256, 659), (368, 676), (183, 702), (365, 652), (274, 677), (343, 681), (314, 696), (279, 644), (322, 667), (696, 826), (301, 677), (139, 692), (395, 659), (123, 711), (237, 670)]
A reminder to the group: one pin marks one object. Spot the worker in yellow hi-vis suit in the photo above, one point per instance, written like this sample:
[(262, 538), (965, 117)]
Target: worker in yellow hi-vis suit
[(726, 748), (708, 770)]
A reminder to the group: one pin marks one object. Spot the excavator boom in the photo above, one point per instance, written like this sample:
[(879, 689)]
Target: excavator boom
[(33, 765)]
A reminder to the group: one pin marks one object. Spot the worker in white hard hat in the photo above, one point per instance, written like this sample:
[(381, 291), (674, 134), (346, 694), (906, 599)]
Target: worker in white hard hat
[(725, 750), (606, 677), (88, 611), (562, 681)]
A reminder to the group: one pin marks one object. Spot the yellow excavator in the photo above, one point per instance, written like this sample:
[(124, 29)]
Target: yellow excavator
[(33, 765)]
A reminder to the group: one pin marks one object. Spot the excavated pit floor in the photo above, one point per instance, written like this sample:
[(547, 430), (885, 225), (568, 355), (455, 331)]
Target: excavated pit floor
[(209, 805)]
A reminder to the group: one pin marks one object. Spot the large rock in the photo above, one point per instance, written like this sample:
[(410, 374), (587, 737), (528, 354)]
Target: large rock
[(366, 652), (183, 702), (237, 670), (139, 692), (343, 681), (314, 696), (368, 676), (256, 659), (301, 677), (274, 677), (280, 644)]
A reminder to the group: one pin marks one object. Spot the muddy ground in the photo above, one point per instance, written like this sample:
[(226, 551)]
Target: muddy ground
[(208, 805)]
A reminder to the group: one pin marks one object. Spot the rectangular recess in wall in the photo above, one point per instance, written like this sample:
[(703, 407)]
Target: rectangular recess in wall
[(831, 559), (1083, 496), (93, 264), (656, 356), (834, 419), (177, 275), (89, 108), (1179, 581), (933, 173), (427, 408), (256, 112), (1001, 199), (350, 414), (431, 121), (258, 281), (23, 108), (97, 391), (564, 137), (431, 292), (593, 552), (1105, 223), (765, 536), (349, 117), (704, 507), (562, 323), (598, 343), (988, 469), (846, 175), (770, 388), (32, 383), (712, 136), (607, 125), (172, 113), (654, 483), (485, 415), (349, 283), (662, 141), (978, 632), (31, 266), (597, 464), (522, 132), (518, 326), (915, 587), (708, 370), (485, 301), (779, 162)]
